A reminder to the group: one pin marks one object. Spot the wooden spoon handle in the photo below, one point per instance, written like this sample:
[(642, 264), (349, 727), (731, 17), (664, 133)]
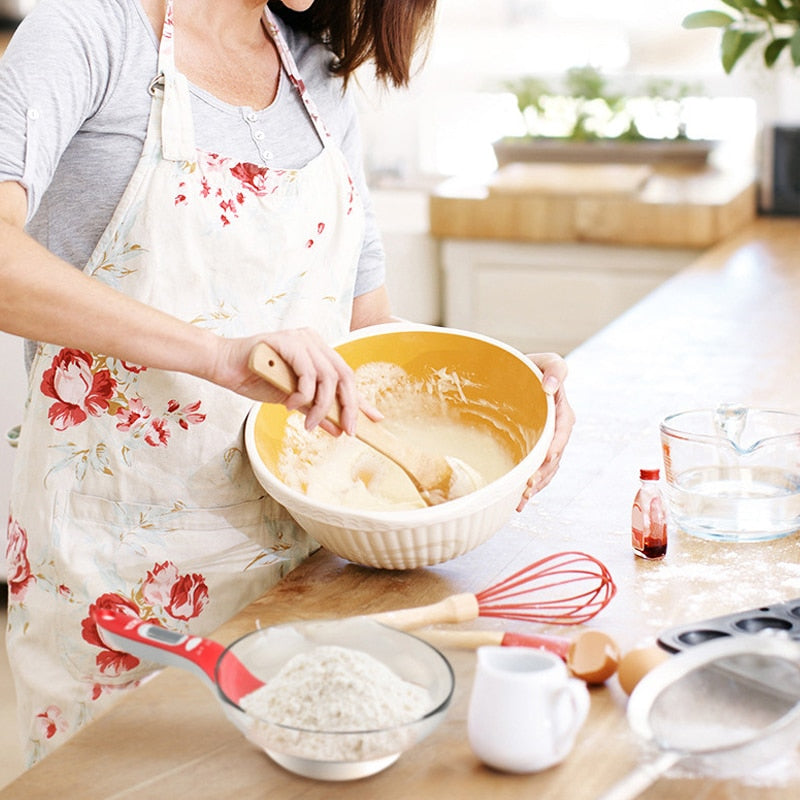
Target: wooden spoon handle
[(269, 365)]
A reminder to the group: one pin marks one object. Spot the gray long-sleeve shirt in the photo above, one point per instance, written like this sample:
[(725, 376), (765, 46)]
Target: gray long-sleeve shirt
[(74, 106)]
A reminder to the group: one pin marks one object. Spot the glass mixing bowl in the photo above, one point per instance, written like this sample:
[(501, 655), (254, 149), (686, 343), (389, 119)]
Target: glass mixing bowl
[(733, 472), (336, 753)]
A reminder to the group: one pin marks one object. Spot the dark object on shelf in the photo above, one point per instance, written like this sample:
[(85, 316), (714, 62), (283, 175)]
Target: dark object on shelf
[(780, 171)]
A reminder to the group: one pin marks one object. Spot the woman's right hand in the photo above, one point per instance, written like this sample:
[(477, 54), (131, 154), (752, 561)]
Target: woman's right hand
[(322, 376)]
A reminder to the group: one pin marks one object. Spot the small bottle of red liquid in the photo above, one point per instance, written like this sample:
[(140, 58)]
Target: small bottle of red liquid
[(648, 520)]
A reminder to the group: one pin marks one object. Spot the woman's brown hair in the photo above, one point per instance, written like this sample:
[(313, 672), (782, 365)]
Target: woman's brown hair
[(386, 32)]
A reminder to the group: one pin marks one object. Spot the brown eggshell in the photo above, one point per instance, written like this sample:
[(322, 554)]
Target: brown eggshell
[(635, 664), (593, 657)]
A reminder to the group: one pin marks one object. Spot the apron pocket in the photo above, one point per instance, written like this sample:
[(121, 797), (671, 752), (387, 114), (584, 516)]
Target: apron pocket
[(188, 569)]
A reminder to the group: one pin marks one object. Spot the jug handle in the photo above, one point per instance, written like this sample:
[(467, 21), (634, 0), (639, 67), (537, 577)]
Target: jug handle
[(578, 696)]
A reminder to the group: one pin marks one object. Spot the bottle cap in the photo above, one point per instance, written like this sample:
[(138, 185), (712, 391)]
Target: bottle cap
[(648, 474)]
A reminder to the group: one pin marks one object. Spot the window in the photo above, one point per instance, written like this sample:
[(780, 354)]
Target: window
[(445, 123)]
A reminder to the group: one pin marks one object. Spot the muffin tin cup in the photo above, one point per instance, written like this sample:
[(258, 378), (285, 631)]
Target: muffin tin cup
[(777, 619)]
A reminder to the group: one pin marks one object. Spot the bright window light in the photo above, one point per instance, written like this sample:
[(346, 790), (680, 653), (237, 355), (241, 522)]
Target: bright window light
[(459, 104)]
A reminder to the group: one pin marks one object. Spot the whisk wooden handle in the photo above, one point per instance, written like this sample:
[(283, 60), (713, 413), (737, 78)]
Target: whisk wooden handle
[(456, 608)]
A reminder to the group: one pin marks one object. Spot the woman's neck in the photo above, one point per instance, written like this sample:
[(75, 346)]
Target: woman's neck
[(222, 47), (234, 22)]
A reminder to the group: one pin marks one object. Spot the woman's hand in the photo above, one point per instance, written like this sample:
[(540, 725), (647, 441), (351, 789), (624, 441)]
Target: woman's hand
[(554, 370), (322, 376)]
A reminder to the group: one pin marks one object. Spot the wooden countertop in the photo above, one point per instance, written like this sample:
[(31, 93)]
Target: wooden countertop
[(726, 329), (621, 204)]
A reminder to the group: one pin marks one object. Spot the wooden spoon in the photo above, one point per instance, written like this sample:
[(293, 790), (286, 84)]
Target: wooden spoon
[(436, 478)]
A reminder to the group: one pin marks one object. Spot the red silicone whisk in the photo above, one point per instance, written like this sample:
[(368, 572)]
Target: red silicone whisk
[(562, 589)]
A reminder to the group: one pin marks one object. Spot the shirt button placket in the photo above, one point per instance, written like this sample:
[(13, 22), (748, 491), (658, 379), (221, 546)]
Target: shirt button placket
[(258, 136)]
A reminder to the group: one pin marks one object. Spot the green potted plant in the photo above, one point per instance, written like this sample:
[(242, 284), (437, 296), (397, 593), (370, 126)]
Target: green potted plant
[(584, 118), (774, 24)]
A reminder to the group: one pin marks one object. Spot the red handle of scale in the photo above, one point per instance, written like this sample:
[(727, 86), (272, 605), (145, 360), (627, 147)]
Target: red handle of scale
[(171, 648)]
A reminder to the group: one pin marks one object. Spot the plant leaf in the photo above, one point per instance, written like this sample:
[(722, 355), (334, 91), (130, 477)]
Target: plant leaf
[(707, 19), (791, 9), (737, 4), (773, 50), (777, 9), (757, 10), (734, 44), (794, 48)]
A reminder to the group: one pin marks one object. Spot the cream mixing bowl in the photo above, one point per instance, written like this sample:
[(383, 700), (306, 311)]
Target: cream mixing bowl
[(484, 384)]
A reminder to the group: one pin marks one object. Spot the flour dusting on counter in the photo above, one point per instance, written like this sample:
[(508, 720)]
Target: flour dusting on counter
[(716, 578)]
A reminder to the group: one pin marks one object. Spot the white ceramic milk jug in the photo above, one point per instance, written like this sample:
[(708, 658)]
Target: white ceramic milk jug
[(525, 710)]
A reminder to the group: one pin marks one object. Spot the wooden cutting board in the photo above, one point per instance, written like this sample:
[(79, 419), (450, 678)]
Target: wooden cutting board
[(569, 179), (626, 204)]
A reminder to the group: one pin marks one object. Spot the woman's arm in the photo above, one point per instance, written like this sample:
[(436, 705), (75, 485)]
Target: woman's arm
[(372, 308), (45, 299)]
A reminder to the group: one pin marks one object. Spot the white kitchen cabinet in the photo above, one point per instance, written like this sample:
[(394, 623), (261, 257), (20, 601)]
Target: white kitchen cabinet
[(547, 296), (12, 399)]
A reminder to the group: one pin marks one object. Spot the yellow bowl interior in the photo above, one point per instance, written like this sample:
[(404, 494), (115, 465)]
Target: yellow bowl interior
[(500, 391)]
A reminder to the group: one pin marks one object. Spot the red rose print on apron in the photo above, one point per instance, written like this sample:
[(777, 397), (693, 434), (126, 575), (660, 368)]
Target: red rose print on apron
[(81, 387)]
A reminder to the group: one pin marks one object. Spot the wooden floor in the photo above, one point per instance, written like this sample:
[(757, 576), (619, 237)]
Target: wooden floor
[(10, 754)]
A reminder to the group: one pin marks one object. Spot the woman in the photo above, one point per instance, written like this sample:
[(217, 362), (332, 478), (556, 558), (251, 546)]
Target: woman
[(212, 198)]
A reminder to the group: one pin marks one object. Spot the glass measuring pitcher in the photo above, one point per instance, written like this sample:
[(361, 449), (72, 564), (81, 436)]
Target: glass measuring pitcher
[(733, 472)]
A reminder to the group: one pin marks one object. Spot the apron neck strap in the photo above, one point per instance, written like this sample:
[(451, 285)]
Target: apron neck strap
[(177, 125), (290, 68)]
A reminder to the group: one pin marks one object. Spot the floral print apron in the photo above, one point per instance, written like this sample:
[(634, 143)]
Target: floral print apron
[(132, 488)]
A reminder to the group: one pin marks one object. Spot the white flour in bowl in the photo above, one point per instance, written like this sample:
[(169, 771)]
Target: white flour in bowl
[(347, 694)]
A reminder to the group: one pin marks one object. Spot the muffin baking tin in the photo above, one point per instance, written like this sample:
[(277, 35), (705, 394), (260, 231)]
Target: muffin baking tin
[(779, 618)]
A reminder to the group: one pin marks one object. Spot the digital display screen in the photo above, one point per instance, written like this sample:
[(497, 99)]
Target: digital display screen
[(163, 635)]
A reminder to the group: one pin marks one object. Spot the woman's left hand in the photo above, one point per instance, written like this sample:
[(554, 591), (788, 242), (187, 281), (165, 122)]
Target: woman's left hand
[(554, 370)]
